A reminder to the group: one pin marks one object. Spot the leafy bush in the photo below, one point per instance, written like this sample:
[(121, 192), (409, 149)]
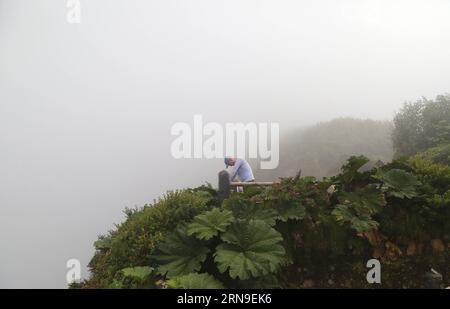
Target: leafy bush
[(439, 154), (210, 224), (133, 242), (195, 281), (300, 232), (250, 249), (133, 277), (180, 254), (358, 208), (422, 125), (399, 183)]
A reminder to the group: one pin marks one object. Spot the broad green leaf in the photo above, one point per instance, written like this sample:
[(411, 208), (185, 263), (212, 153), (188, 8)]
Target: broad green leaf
[(368, 200), (358, 207), (247, 210), (360, 222), (195, 281), (400, 183), (211, 223), (180, 254), (138, 272), (291, 211), (251, 249), (258, 212)]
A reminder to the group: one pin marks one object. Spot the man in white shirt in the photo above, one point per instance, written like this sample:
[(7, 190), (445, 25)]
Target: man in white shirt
[(240, 168)]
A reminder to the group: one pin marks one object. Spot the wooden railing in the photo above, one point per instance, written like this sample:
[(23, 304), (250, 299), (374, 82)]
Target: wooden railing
[(253, 183), (225, 185)]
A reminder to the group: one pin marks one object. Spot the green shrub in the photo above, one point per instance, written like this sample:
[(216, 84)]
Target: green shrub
[(300, 232), (195, 281), (132, 243), (439, 154)]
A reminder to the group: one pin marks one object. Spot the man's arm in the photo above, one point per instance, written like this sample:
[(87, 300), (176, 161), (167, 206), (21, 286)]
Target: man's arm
[(234, 170)]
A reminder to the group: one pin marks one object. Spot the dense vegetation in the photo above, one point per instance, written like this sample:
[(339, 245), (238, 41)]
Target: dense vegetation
[(421, 125), (301, 232), (295, 234)]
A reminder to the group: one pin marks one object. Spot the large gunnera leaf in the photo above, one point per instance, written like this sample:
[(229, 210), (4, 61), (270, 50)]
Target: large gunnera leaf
[(358, 207), (246, 210), (195, 281), (293, 210), (251, 249), (401, 183), (368, 200), (180, 254), (209, 224)]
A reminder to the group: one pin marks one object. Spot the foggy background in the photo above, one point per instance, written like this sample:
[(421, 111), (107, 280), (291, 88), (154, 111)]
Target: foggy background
[(86, 109)]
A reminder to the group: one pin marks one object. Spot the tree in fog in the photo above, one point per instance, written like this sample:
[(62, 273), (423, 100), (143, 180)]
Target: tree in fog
[(422, 124)]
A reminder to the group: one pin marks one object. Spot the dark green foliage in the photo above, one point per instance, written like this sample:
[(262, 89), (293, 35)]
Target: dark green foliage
[(210, 223), (195, 281), (250, 208), (439, 154), (291, 211), (133, 242), (250, 249), (358, 208), (138, 272), (296, 233), (103, 243), (133, 277), (180, 254), (399, 183), (350, 170)]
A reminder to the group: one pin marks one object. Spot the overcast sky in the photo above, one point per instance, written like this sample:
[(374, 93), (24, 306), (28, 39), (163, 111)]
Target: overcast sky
[(86, 109)]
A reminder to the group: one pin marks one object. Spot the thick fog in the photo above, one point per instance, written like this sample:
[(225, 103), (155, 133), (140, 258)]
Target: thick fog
[(86, 108)]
